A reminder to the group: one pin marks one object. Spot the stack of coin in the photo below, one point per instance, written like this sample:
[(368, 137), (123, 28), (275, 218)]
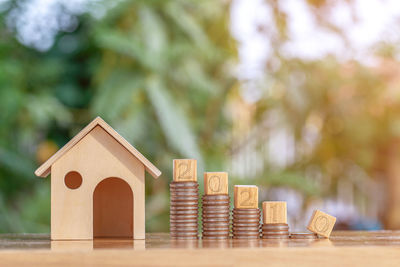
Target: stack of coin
[(215, 216), (310, 236), (184, 210), (275, 231), (246, 223), (246, 214)]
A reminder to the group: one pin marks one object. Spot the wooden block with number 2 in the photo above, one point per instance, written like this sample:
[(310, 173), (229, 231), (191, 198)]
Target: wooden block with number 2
[(216, 183), (185, 170), (274, 212), (246, 196), (321, 223)]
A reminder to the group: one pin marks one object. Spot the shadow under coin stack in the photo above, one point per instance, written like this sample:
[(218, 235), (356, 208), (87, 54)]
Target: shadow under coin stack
[(275, 220), (246, 214), (216, 206), (184, 192)]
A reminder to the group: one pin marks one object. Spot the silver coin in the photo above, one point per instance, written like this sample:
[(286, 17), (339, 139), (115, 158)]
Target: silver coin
[(185, 198), (209, 228), (248, 229), (245, 232), (254, 216), (215, 215), (183, 195), (221, 232), (177, 214), (182, 220), (255, 221), (183, 203), (205, 205), (185, 219), (183, 184), (216, 224), (216, 212), (254, 224), (276, 233), (183, 190), (184, 207), (215, 203), (275, 237), (303, 236), (216, 196), (219, 203), (175, 209), (186, 211), (247, 210), (215, 208), (246, 237), (183, 229), (215, 220), (250, 218), (183, 223), (275, 230)]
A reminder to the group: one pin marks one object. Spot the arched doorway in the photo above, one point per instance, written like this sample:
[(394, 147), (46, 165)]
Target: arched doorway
[(113, 209)]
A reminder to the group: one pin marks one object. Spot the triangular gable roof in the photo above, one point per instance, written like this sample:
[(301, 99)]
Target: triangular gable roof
[(45, 169)]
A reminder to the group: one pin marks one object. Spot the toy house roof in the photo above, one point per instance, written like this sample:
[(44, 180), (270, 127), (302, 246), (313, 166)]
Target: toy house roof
[(45, 169)]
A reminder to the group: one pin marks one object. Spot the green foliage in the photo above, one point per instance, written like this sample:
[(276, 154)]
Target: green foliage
[(155, 70)]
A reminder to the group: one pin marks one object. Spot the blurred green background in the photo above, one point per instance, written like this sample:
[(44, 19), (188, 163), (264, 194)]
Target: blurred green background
[(195, 79)]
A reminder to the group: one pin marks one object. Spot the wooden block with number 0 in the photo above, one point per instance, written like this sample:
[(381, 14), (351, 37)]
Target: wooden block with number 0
[(185, 170), (321, 223), (274, 212), (216, 183), (246, 196)]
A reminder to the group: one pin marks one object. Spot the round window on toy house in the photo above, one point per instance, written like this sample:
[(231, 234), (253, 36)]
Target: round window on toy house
[(73, 180)]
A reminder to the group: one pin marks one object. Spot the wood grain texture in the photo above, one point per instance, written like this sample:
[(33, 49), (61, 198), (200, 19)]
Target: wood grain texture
[(321, 223), (215, 183), (96, 157), (184, 170), (45, 169), (345, 248), (246, 196), (274, 212)]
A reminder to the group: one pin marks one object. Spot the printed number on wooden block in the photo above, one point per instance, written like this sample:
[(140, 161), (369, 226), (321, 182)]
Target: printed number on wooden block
[(216, 183), (321, 223), (274, 212), (185, 170), (246, 196)]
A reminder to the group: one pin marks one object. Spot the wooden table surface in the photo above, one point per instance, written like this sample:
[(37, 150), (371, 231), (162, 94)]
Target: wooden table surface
[(344, 248)]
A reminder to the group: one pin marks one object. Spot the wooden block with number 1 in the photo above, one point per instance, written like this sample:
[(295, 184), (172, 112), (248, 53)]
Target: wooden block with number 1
[(216, 183), (185, 170), (274, 212), (321, 223), (246, 196)]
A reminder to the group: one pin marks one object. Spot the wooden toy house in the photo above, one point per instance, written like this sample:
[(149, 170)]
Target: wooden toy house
[(97, 186)]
